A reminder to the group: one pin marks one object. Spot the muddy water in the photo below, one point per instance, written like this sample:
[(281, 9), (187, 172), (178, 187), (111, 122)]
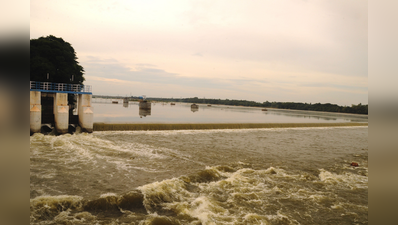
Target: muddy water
[(248, 176)]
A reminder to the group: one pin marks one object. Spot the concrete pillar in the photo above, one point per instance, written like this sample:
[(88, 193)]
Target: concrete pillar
[(85, 112), (144, 104), (35, 111), (61, 112)]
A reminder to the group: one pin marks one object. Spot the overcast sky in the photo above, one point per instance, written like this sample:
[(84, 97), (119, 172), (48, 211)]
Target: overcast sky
[(259, 50)]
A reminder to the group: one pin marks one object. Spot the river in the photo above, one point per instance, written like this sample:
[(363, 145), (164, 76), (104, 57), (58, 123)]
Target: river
[(228, 176)]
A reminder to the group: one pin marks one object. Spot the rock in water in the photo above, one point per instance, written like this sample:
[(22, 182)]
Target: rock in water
[(354, 164)]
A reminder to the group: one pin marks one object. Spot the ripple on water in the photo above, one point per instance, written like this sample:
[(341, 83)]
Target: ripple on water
[(277, 179)]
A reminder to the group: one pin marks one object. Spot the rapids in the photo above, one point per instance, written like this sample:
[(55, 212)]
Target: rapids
[(247, 176)]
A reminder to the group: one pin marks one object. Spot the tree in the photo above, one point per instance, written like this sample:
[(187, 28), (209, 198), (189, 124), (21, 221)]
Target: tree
[(56, 58)]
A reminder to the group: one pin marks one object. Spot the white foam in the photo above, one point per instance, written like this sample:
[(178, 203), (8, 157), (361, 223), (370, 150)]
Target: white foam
[(346, 179), (108, 195), (48, 174), (211, 131), (254, 188), (52, 202), (203, 209)]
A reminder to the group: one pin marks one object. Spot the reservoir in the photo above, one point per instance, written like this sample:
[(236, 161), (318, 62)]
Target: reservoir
[(108, 112)]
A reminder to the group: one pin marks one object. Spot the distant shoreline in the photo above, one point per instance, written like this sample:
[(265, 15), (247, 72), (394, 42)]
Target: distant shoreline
[(208, 126), (284, 110), (317, 107), (249, 107)]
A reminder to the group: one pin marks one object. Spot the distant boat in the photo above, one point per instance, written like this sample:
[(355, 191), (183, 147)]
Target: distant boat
[(115, 102), (264, 110), (208, 105), (172, 103)]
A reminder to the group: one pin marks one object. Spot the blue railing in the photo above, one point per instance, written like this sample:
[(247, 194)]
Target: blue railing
[(60, 87)]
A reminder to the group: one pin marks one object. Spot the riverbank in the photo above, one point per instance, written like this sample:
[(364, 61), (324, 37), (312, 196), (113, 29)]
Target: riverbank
[(202, 126)]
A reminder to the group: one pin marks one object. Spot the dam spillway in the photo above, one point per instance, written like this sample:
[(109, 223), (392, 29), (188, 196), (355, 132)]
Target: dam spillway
[(60, 116)]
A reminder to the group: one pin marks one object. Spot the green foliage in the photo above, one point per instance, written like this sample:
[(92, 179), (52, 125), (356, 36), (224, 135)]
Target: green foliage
[(53, 56)]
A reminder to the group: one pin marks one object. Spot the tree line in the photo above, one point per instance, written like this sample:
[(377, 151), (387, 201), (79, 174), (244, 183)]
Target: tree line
[(326, 107)]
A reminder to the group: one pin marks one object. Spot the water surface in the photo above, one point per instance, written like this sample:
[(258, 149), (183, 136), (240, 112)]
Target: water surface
[(250, 176), (106, 112)]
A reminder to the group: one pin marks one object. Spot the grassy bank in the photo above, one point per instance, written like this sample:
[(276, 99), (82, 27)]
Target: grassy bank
[(200, 126)]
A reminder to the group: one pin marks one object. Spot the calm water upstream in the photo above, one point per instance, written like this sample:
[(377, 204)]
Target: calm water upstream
[(247, 176), (106, 112)]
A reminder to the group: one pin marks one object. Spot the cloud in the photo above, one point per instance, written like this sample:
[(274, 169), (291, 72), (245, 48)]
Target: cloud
[(115, 72), (198, 54), (111, 75), (145, 65), (344, 88), (257, 50), (145, 73)]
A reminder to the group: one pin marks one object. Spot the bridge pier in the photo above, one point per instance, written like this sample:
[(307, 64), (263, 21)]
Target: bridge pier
[(35, 111), (85, 112), (61, 112)]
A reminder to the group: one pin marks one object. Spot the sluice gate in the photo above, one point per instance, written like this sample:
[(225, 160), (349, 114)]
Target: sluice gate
[(49, 105)]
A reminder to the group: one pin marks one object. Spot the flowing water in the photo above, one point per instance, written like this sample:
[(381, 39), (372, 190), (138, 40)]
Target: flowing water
[(247, 176)]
